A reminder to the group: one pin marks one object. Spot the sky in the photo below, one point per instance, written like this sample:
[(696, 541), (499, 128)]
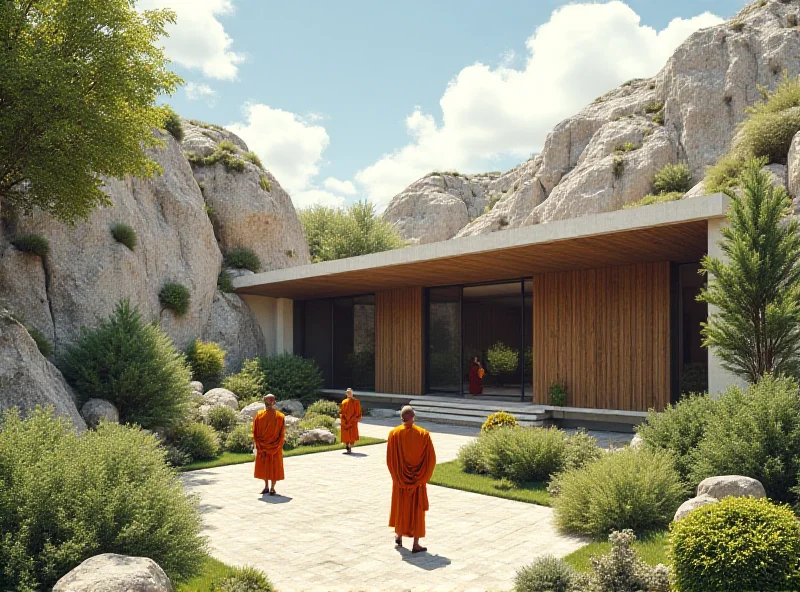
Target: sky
[(356, 99)]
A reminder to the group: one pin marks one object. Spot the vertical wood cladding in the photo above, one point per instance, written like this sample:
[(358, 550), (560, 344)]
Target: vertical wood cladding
[(604, 333), (399, 330)]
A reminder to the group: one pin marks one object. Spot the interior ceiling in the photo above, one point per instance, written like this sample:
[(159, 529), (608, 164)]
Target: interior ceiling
[(681, 243)]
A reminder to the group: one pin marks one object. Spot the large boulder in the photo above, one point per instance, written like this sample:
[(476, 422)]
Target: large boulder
[(221, 397), (233, 326), (317, 436), (95, 411), (731, 486), (291, 407), (250, 411), (692, 504), (250, 208), (110, 572), (27, 379)]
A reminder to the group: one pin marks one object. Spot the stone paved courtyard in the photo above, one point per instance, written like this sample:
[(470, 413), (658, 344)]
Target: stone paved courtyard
[(327, 530)]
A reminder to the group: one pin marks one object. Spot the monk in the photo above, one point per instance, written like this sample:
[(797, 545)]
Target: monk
[(411, 460), (269, 430), (350, 415)]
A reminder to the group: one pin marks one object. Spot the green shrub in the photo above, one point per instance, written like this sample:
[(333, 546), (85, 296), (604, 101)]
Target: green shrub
[(524, 454), (622, 571), (198, 441), (172, 123), (492, 202), (636, 489), (175, 297), (771, 123), (724, 174), (253, 158), (223, 419), (500, 419), (658, 118), (292, 436), (240, 439), (673, 178), (224, 282), (736, 544), (225, 153), (65, 498), (265, 184), (679, 429), (323, 407), (737, 26), (124, 235), (34, 244), (654, 107), (502, 358), (243, 258), (618, 166), (134, 366), (42, 343), (545, 574), (207, 361), (242, 579), (247, 384), (314, 422), (580, 451), (174, 456), (558, 394), (755, 433), (649, 200), (227, 147), (625, 147), (291, 377), (472, 458)]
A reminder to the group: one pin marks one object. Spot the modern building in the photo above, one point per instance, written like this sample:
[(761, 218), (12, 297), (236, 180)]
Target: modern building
[(604, 305)]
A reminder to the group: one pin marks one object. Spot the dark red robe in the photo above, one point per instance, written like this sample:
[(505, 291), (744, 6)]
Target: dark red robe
[(475, 381)]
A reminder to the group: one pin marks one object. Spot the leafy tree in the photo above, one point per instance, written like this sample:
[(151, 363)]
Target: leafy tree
[(77, 100), (337, 233), (757, 290)]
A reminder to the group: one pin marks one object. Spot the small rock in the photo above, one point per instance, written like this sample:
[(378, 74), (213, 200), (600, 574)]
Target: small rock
[(318, 436), (291, 420), (110, 572), (249, 413), (338, 422), (636, 442), (291, 407), (220, 397), (382, 413), (693, 504), (731, 486), (96, 410), (235, 272), (698, 190), (197, 386)]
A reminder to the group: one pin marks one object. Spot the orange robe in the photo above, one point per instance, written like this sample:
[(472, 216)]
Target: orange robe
[(350, 415), (269, 430), (411, 460)]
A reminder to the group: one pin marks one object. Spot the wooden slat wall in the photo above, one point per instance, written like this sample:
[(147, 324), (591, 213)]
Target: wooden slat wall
[(399, 361), (605, 333)]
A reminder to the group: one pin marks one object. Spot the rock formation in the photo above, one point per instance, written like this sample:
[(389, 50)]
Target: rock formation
[(110, 572), (607, 155)]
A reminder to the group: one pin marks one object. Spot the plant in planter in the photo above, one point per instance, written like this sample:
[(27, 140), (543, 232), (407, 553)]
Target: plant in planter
[(502, 358), (558, 394)]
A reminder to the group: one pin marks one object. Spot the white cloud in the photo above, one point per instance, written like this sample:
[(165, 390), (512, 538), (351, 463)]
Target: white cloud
[(338, 186), (583, 51), (198, 39), (291, 147), (198, 91)]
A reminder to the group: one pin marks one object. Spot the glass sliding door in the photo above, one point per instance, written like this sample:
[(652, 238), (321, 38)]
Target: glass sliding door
[(362, 358), (527, 327), (444, 339), (693, 366)]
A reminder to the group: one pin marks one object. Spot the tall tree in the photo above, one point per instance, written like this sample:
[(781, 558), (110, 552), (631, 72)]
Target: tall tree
[(756, 286), (336, 233), (78, 84)]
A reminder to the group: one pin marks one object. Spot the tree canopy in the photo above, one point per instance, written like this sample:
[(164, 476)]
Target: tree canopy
[(337, 233), (77, 99)]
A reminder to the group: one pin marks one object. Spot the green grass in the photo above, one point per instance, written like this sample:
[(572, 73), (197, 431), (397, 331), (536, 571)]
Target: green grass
[(237, 458), (652, 549), (211, 570), (451, 475)]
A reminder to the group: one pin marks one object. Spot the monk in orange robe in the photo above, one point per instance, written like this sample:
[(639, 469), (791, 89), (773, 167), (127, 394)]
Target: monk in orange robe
[(411, 460), (269, 431), (350, 415)]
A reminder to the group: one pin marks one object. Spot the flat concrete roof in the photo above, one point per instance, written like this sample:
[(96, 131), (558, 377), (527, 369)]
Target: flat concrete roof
[(674, 231)]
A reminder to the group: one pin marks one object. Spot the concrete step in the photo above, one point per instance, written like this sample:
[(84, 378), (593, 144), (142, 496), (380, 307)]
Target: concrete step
[(489, 406), (477, 413), (466, 420)]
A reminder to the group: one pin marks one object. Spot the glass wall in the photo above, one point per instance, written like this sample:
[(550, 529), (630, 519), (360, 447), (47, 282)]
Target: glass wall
[(693, 365), (339, 334), (527, 325), (444, 339)]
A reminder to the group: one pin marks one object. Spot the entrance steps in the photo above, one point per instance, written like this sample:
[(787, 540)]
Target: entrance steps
[(458, 411)]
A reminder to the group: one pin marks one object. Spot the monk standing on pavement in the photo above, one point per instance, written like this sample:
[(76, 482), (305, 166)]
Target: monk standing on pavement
[(411, 460), (350, 415), (269, 430)]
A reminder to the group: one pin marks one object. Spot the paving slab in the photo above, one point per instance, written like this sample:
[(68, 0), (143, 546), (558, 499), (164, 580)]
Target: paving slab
[(327, 530)]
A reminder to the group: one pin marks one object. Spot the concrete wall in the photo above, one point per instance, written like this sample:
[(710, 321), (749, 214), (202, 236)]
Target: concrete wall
[(718, 378), (276, 319)]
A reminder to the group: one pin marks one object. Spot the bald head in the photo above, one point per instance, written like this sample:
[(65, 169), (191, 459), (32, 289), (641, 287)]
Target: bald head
[(407, 414), (269, 401)]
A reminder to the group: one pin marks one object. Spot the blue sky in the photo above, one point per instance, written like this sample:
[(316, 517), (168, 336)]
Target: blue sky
[(356, 99)]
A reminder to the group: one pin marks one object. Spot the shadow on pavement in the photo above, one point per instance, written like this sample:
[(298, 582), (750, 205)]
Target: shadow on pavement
[(425, 561), (275, 499)]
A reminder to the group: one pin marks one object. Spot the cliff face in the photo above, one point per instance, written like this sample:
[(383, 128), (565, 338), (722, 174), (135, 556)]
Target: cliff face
[(687, 113), (182, 234)]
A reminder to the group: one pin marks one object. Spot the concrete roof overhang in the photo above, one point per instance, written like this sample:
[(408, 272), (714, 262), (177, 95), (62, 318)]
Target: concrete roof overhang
[(673, 231)]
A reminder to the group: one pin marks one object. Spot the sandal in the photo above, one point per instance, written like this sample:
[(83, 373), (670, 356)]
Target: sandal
[(265, 490), (398, 541), (272, 492), (420, 550)]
